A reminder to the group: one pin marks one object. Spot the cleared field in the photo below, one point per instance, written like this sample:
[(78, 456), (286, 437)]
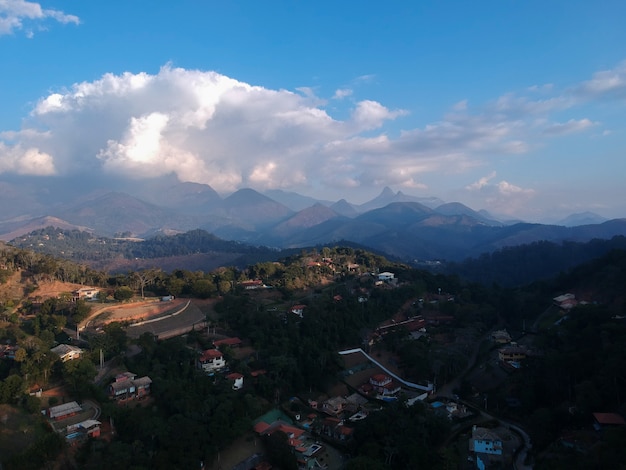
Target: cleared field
[(169, 326)]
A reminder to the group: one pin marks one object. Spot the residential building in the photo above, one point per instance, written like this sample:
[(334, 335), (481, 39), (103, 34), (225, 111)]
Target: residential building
[(85, 293), (513, 353), (386, 276), (607, 420), (334, 406), (237, 379), (485, 441), (298, 310), (565, 301), (127, 386), (211, 360), (501, 337), (251, 285), (64, 411), (232, 342), (89, 428), (67, 352), (383, 386)]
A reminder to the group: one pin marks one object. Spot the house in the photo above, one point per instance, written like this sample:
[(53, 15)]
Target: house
[(513, 353), (211, 360), (384, 386), (293, 433), (232, 342), (89, 428), (298, 310), (501, 337), (252, 285), (386, 276), (237, 379), (67, 352), (565, 301), (142, 386), (85, 293), (127, 386), (7, 351), (64, 411), (607, 420), (334, 406), (485, 441)]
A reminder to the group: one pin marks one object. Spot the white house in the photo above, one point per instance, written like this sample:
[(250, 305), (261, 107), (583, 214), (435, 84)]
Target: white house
[(211, 360), (67, 352), (298, 310), (386, 276), (87, 293), (237, 379)]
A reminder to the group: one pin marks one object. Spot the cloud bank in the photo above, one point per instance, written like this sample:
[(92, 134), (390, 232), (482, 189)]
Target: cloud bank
[(18, 15), (208, 128)]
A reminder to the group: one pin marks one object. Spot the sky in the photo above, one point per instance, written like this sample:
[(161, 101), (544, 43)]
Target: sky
[(513, 106)]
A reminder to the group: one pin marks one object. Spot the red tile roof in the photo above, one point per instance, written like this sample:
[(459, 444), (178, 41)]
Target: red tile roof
[(227, 341), (210, 354), (609, 418)]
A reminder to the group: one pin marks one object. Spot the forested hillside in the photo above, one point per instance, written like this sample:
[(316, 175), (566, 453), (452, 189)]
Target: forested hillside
[(576, 369)]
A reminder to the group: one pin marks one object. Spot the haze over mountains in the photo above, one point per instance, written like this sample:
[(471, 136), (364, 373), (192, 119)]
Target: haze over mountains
[(395, 223)]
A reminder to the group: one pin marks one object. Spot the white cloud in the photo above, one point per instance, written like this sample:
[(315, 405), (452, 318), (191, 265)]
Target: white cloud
[(482, 182), (209, 128), (342, 93), (571, 126), (16, 14), (501, 197), (25, 161), (603, 84)]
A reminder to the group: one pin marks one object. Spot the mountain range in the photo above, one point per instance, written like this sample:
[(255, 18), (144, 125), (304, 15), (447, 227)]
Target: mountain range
[(403, 226)]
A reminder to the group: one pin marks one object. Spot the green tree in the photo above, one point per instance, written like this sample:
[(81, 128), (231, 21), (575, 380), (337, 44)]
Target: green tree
[(79, 373), (123, 293)]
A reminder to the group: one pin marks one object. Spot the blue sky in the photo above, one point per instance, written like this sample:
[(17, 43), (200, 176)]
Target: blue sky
[(517, 107)]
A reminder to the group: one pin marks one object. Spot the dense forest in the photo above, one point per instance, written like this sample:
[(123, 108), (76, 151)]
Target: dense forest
[(578, 367)]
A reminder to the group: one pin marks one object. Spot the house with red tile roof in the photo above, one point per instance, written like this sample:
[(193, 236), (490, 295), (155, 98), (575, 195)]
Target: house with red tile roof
[(237, 379), (602, 420), (298, 310), (211, 360), (232, 342)]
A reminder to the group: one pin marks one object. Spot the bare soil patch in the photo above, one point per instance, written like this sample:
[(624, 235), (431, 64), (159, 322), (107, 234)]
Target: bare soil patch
[(137, 311)]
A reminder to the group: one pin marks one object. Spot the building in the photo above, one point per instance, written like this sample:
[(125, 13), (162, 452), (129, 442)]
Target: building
[(211, 360), (67, 352), (382, 385), (512, 353), (501, 337), (298, 310), (485, 441), (237, 379), (85, 293), (89, 428), (607, 420), (565, 301), (232, 342), (64, 411), (386, 276), (251, 285), (334, 406), (127, 386)]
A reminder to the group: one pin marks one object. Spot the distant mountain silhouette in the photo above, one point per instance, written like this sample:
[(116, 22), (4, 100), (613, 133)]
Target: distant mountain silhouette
[(582, 218), (402, 226)]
